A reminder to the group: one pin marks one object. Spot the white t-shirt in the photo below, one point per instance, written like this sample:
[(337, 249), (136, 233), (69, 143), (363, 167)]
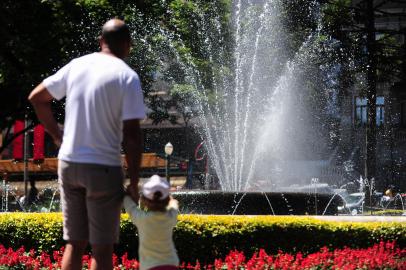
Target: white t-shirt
[(101, 92), (155, 230)]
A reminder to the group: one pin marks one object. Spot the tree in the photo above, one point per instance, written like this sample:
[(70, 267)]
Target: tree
[(41, 36), (27, 28), (38, 38), (377, 54)]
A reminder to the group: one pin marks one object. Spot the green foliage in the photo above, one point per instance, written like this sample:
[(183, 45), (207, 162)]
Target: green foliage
[(299, 20), (337, 14), (208, 237), (345, 22), (69, 29), (389, 212), (37, 231), (29, 50), (389, 58), (216, 235), (128, 241), (40, 36), (185, 98), (96, 3)]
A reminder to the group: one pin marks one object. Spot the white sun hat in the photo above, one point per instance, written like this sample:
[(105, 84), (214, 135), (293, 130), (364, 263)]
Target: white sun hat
[(155, 184)]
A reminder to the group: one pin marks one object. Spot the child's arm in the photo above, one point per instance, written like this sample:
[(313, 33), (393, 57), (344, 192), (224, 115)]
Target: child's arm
[(131, 208), (173, 208)]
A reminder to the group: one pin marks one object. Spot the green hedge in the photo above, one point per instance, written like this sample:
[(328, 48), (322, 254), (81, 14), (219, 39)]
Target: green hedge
[(209, 237)]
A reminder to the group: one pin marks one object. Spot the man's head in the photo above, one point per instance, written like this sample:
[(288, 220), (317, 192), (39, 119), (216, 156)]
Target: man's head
[(116, 38)]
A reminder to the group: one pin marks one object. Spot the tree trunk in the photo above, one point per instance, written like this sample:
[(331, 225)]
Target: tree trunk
[(370, 138)]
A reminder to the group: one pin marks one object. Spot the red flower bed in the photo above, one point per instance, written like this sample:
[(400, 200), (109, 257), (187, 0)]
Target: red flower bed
[(380, 256)]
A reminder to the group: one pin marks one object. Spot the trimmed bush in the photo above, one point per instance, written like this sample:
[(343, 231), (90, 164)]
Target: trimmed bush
[(40, 231), (208, 237)]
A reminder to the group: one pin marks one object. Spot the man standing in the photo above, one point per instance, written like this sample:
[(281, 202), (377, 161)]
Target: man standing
[(104, 104)]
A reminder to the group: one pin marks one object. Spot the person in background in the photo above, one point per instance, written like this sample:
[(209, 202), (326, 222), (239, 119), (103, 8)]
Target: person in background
[(387, 197), (155, 217), (104, 104)]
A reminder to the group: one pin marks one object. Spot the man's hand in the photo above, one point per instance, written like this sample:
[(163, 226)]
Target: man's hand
[(133, 192), (132, 145)]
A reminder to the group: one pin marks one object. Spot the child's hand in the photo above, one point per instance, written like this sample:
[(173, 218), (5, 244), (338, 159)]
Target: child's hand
[(173, 203)]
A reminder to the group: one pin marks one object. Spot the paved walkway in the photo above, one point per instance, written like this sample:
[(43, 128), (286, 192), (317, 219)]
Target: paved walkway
[(362, 218)]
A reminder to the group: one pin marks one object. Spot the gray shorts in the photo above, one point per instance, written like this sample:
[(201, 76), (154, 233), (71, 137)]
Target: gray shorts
[(91, 198)]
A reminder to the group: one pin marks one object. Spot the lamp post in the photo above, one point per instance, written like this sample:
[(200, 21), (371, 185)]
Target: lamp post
[(168, 153), (26, 138)]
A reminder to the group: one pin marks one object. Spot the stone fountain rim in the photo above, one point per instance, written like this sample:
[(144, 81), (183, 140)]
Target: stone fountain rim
[(200, 192)]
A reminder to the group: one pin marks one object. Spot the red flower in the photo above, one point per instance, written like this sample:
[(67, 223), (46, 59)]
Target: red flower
[(384, 255)]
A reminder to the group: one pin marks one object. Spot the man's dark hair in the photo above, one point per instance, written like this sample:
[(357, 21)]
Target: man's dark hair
[(115, 36)]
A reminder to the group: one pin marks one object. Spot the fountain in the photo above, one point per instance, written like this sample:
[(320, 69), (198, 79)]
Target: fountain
[(397, 201), (266, 114), (263, 133), (47, 199), (9, 199)]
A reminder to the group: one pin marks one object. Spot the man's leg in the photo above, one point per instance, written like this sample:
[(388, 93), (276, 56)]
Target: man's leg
[(75, 222), (102, 257), (72, 256), (104, 185)]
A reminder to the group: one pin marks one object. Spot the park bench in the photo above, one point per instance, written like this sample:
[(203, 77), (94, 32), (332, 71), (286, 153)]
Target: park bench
[(150, 161)]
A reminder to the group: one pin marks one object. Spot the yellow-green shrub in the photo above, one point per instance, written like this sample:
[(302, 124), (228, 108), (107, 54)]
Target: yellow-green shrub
[(208, 237), (214, 236), (31, 230)]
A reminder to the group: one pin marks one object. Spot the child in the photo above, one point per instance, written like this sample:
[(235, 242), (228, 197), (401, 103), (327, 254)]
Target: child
[(155, 218)]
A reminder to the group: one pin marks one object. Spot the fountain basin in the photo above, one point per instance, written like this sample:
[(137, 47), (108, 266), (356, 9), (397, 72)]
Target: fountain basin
[(257, 203)]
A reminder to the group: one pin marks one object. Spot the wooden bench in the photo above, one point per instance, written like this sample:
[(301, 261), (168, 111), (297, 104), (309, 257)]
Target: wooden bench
[(50, 165)]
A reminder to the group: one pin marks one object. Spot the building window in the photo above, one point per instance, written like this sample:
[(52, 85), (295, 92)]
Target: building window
[(361, 111), (380, 110)]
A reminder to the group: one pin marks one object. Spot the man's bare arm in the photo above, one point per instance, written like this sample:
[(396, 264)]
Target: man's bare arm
[(133, 148), (41, 100)]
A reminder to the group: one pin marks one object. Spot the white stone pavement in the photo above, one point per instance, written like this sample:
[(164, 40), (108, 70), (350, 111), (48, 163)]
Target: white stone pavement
[(362, 218)]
